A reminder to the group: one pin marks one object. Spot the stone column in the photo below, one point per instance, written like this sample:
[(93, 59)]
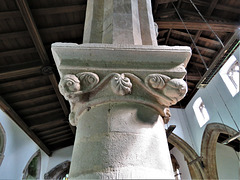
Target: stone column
[(120, 92)]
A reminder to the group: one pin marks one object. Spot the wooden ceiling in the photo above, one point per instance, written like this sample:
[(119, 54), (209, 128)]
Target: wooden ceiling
[(28, 77)]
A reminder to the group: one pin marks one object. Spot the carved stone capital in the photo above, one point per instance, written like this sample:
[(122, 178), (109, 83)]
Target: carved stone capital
[(86, 89), (148, 75)]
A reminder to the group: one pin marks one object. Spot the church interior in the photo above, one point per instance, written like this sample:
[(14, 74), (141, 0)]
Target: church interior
[(203, 133)]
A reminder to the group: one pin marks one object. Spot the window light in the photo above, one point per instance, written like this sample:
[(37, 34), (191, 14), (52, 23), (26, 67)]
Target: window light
[(200, 112), (230, 75)]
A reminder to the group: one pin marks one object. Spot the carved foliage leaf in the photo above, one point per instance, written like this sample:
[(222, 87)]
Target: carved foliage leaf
[(121, 85)]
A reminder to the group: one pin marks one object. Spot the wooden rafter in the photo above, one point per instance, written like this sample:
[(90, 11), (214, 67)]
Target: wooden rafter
[(48, 124), (195, 25), (51, 30), (21, 72), (218, 6), (168, 35), (28, 92), (32, 28), (17, 52)]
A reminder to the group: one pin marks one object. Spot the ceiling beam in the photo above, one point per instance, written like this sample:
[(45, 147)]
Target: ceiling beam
[(208, 50), (17, 52), (8, 110), (197, 64), (218, 6), (195, 25), (228, 8), (40, 108), (5, 87), (9, 14), (29, 92), (20, 72), (168, 35), (197, 56), (35, 101), (44, 31), (219, 60), (59, 138), (50, 135), (44, 11), (61, 141), (43, 114), (32, 28), (53, 130), (48, 124), (58, 10), (193, 77)]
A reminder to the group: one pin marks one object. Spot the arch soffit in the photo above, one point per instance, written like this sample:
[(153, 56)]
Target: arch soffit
[(57, 170), (208, 147), (195, 168)]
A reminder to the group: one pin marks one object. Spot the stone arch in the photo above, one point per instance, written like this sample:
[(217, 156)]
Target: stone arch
[(2, 143), (58, 171), (33, 166), (195, 166), (208, 147)]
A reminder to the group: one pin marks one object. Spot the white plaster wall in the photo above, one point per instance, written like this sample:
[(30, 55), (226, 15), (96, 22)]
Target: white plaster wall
[(18, 151), (20, 148), (220, 105), (59, 156), (178, 118), (228, 165), (185, 174)]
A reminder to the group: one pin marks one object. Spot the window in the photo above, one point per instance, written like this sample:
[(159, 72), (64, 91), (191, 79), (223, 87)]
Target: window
[(200, 112), (32, 169), (2, 143), (230, 75), (233, 74)]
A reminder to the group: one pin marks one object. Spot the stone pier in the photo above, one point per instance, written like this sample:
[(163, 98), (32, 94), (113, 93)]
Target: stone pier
[(120, 85)]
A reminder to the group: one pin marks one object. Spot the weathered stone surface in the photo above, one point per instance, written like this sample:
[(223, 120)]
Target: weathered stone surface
[(120, 140), (116, 73), (117, 83), (119, 22)]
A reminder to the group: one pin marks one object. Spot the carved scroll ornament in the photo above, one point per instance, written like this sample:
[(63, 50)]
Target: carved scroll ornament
[(157, 90)]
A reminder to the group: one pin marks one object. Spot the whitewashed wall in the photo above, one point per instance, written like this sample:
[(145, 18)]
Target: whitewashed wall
[(227, 162), (184, 171), (20, 148), (18, 151), (221, 106)]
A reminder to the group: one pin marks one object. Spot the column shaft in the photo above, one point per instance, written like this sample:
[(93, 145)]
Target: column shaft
[(121, 141)]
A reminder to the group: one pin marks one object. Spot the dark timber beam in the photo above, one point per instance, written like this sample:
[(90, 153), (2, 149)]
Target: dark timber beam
[(194, 25), (17, 52), (218, 6), (219, 60), (45, 11), (32, 28), (28, 92), (170, 130), (44, 31), (8, 110), (20, 72)]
